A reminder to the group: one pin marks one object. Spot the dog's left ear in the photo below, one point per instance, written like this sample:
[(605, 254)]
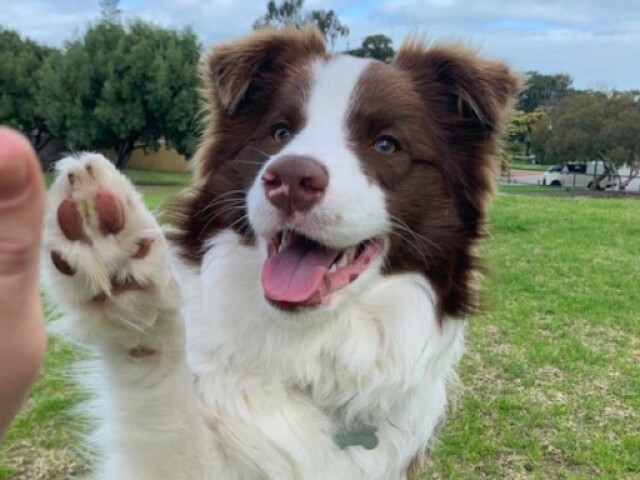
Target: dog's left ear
[(469, 98), (474, 93)]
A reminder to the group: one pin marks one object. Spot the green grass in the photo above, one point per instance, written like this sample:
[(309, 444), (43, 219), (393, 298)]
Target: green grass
[(564, 192), (552, 373), (551, 379), (40, 443), (528, 166), (531, 190), (147, 177)]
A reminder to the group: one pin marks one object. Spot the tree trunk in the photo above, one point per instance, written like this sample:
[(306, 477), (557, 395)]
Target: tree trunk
[(124, 154), (609, 171), (633, 173), (41, 140)]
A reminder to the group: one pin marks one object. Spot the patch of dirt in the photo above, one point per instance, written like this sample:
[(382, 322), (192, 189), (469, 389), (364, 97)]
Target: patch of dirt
[(41, 464)]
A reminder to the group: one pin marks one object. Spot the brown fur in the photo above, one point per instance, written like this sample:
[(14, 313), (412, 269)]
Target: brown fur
[(250, 85), (446, 106)]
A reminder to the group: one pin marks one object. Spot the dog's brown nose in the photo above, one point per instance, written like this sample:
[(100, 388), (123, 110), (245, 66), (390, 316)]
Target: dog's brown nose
[(295, 183)]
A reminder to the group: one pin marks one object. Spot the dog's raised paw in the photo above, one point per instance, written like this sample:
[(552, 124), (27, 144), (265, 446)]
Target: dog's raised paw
[(100, 241)]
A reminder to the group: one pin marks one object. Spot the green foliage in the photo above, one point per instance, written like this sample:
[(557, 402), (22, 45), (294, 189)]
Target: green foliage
[(158, 178), (329, 24), (513, 147), (543, 90), (522, 124), (288, 13), (292, 13), (120, 87), (591, 125), (375, 46), (20, 63)]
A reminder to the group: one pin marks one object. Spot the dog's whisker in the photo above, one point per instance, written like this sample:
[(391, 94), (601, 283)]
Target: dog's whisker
[(228, 211), (250, 162), (261, 152), (414, 239), (224, 200)]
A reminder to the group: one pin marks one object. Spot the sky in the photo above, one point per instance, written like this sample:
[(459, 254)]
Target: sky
[(597, 42)]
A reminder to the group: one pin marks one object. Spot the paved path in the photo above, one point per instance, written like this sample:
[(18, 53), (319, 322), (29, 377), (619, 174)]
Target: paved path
[(527, 177)]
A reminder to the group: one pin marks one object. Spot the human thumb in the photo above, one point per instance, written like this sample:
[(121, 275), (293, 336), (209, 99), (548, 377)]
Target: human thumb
[(21, 215)]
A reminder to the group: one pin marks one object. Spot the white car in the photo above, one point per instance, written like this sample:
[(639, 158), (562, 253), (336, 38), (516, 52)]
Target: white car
[(574, 174)]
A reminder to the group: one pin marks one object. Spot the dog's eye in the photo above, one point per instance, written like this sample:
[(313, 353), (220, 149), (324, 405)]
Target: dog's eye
[(385, 145), (281, 133)]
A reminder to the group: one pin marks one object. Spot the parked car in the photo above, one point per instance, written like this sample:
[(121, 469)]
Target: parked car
[(580, 175)]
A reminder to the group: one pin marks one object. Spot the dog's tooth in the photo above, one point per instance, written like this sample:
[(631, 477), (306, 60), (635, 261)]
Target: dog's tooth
[(350, 254), (342, 261), (333, 268), (286, 238)]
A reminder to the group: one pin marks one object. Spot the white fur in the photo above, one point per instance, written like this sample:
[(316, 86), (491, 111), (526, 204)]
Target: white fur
[(325, 139), (237, 389)]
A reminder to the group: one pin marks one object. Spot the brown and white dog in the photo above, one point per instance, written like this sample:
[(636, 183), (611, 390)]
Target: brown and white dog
[(302, 317)]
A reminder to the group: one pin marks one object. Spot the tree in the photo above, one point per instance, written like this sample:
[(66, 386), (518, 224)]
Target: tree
[(375, 46), (288, 13), (329, 25), (20, 63), (589, 126), (291, 13), (543, 90), (110, 10), (522, 125), (124, 87)]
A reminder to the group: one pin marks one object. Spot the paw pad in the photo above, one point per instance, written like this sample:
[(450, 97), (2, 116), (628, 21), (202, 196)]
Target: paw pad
[(144, 247), (110, 212), (61, 264), (70, 221), (97, 236)]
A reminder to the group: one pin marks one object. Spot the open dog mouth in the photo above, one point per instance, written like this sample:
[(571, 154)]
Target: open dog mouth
[(300, 272)]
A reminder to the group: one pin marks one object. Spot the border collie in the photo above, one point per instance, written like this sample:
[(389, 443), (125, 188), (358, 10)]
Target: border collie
[(302, 316)]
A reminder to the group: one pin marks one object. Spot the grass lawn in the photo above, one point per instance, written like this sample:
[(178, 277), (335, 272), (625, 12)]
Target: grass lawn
[(550, 385), (551, 379), (148, 178), (528, 166)]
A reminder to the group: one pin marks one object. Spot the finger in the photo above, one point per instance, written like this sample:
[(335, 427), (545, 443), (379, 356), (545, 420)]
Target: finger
[(21, 219), (22, 338)]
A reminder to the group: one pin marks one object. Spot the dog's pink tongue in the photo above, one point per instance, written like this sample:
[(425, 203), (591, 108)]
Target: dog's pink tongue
[(296, 273)]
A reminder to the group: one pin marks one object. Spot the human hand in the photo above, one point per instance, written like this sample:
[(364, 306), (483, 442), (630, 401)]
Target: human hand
[(22, 332)]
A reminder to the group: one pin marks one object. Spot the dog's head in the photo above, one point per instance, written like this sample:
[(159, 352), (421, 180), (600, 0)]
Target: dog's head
[(342, 169)]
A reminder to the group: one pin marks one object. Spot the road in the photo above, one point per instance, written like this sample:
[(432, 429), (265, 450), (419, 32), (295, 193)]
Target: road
[(525, 177)]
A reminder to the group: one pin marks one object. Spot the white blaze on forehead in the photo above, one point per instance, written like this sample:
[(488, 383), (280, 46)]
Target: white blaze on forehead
[(332, 87), (353, 209), (331, 95)]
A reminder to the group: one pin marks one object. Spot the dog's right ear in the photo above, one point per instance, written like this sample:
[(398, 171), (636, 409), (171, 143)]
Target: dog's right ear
[(243, 69)]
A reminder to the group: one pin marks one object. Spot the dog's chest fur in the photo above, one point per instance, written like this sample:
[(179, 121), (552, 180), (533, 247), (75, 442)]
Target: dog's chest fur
[(384, 361)]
